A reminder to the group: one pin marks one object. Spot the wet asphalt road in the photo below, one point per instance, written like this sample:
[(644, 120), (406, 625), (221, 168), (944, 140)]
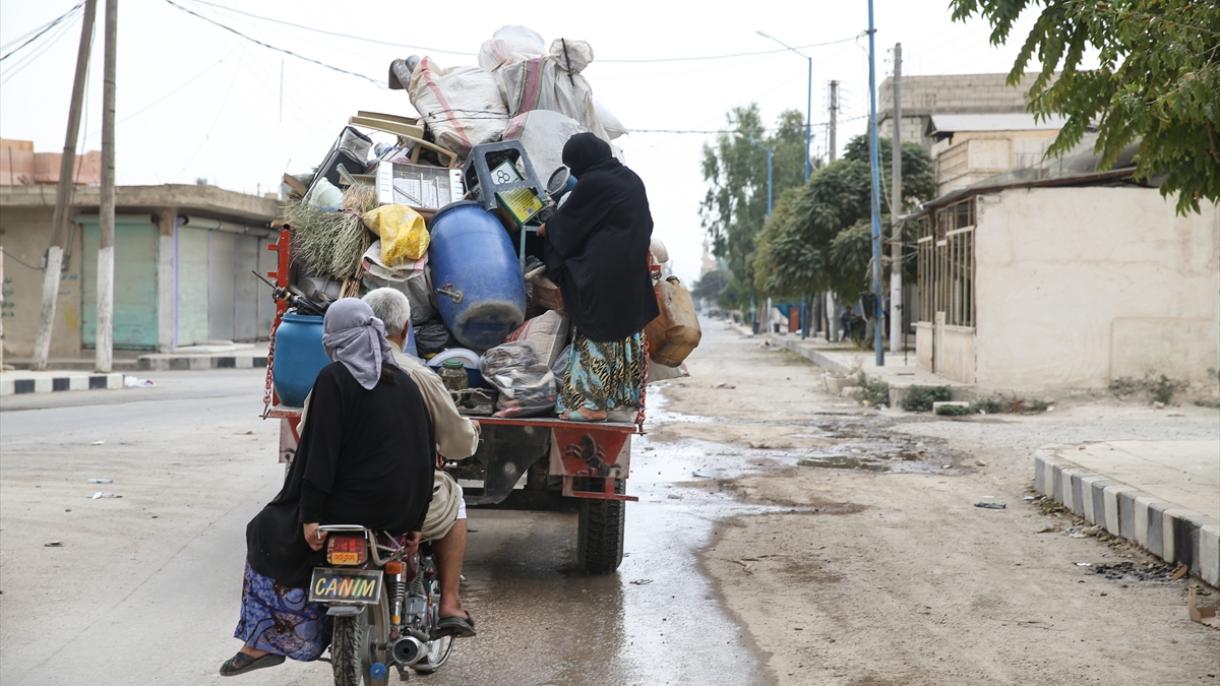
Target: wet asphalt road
[(153, 599)]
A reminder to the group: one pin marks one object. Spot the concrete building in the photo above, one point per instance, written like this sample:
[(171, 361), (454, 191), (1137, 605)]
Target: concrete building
[(1062, 277), (973, 125), (924, 96), (183, 257)]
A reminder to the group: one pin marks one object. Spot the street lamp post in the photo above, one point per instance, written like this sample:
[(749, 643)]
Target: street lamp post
[(875, 167), (808, 100), (770, 202), (808, 144), (770, 168)]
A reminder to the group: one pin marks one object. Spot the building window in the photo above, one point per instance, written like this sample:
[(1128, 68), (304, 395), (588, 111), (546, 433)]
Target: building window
[(945, 261)]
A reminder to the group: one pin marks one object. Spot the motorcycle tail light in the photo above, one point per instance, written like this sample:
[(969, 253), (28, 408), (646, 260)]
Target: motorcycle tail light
[(346, 550)]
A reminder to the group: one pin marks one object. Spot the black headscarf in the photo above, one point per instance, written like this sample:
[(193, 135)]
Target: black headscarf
[(597, 244), (584, 151)]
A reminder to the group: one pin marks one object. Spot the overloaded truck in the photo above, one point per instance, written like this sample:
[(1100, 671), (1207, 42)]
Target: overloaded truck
[(446, 206)]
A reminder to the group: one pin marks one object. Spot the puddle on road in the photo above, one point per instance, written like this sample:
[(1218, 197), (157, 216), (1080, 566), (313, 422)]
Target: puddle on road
[(659, 619), (852, 441)]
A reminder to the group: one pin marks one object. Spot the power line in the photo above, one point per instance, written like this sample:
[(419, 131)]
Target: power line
[(258, 42), (637, 60), (39, 32), (326, 32), (32, 57), (725, 56), (17, 39), (182, 86)]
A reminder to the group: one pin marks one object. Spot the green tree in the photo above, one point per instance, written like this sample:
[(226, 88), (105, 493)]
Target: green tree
[(735, 168), (819, 236), (711, 285), (1157, 83)]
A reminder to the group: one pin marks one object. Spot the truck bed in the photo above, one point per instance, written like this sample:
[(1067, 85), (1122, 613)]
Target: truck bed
[(286, 412)]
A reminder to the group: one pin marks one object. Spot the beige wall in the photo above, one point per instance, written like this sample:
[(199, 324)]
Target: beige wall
[(923, 345), (969, 157), (1080, 286), (25, 236), (955, 352)]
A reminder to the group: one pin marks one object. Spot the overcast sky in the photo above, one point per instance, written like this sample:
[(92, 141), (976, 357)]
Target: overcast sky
[(196, 101)]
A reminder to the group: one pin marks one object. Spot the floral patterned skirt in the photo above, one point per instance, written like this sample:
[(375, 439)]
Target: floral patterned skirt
[(279, 619), (602, 376)]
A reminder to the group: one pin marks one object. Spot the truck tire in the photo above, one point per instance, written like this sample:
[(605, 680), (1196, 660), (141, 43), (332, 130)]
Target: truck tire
[(599, 538)]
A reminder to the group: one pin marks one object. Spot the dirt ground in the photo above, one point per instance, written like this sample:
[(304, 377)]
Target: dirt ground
[(883, 571)]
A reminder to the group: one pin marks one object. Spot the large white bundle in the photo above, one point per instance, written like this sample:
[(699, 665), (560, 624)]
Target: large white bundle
[(553, 83), (462, 106), (508, 45), (614, 128), (543, 133)]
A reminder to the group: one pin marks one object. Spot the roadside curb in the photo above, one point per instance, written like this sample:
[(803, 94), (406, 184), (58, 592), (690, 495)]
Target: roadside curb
[(13, 384), (813, 355), (1164, 529), (168, 363)]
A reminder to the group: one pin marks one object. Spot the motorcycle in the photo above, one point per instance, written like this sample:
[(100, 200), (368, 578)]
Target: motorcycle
[(384, 604)]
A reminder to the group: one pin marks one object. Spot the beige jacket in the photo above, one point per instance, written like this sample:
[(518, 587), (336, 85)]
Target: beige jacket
[(456, 437)]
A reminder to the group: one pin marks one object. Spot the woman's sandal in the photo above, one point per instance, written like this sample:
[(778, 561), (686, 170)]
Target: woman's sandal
[(242, 663), (457, 627)]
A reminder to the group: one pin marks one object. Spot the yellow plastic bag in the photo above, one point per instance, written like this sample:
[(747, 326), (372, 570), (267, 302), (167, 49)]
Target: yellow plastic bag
[(404, 237)]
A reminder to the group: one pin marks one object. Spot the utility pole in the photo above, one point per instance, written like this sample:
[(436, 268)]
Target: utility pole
[(104, 346), (896, 209), (59, 221), (875, 166), (834, 155), (834, 115)]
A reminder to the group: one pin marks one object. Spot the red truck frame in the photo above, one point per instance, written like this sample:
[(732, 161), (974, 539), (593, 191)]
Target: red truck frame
[(537, 463)]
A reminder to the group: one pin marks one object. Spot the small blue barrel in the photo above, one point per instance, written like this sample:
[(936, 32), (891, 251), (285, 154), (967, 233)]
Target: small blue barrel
[(480, 292), (298, 357)]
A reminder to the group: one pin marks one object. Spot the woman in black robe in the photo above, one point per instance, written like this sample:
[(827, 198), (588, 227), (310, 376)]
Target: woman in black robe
[(597, 251), (354, 464)]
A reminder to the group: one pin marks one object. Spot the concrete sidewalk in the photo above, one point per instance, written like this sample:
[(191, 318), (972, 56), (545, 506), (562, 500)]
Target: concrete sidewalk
[(221, 356), (1163, 495), (22, 381), (900, 371)]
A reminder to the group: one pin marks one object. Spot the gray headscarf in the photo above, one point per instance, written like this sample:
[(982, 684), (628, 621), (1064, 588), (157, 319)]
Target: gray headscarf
[(353, 336)]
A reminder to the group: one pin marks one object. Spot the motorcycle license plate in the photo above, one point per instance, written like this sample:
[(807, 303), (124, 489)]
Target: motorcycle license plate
[(346, 586)]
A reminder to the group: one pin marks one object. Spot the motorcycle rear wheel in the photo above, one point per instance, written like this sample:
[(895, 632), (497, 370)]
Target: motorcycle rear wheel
[(349, 651)]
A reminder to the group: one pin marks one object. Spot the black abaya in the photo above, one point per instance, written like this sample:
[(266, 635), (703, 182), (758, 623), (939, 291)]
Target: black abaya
[(597, 245), (365, 457)]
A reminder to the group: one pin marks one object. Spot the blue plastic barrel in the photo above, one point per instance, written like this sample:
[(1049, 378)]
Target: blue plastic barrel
[(480, 292), (298, 357)]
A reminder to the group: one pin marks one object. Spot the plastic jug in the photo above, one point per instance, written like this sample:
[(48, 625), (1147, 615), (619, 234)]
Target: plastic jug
[(675, 332)]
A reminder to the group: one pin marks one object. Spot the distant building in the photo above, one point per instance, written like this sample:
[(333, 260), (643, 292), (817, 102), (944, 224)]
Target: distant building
[(183, 257), (21, 166), (968, 148), (972, 125), (1064, 277), (924, 96)]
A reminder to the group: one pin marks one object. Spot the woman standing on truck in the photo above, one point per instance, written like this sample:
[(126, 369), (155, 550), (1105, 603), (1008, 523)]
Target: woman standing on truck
[(597, 251), (365, 457)]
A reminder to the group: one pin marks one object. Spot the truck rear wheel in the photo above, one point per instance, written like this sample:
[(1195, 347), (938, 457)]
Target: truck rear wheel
[(599, 537)]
